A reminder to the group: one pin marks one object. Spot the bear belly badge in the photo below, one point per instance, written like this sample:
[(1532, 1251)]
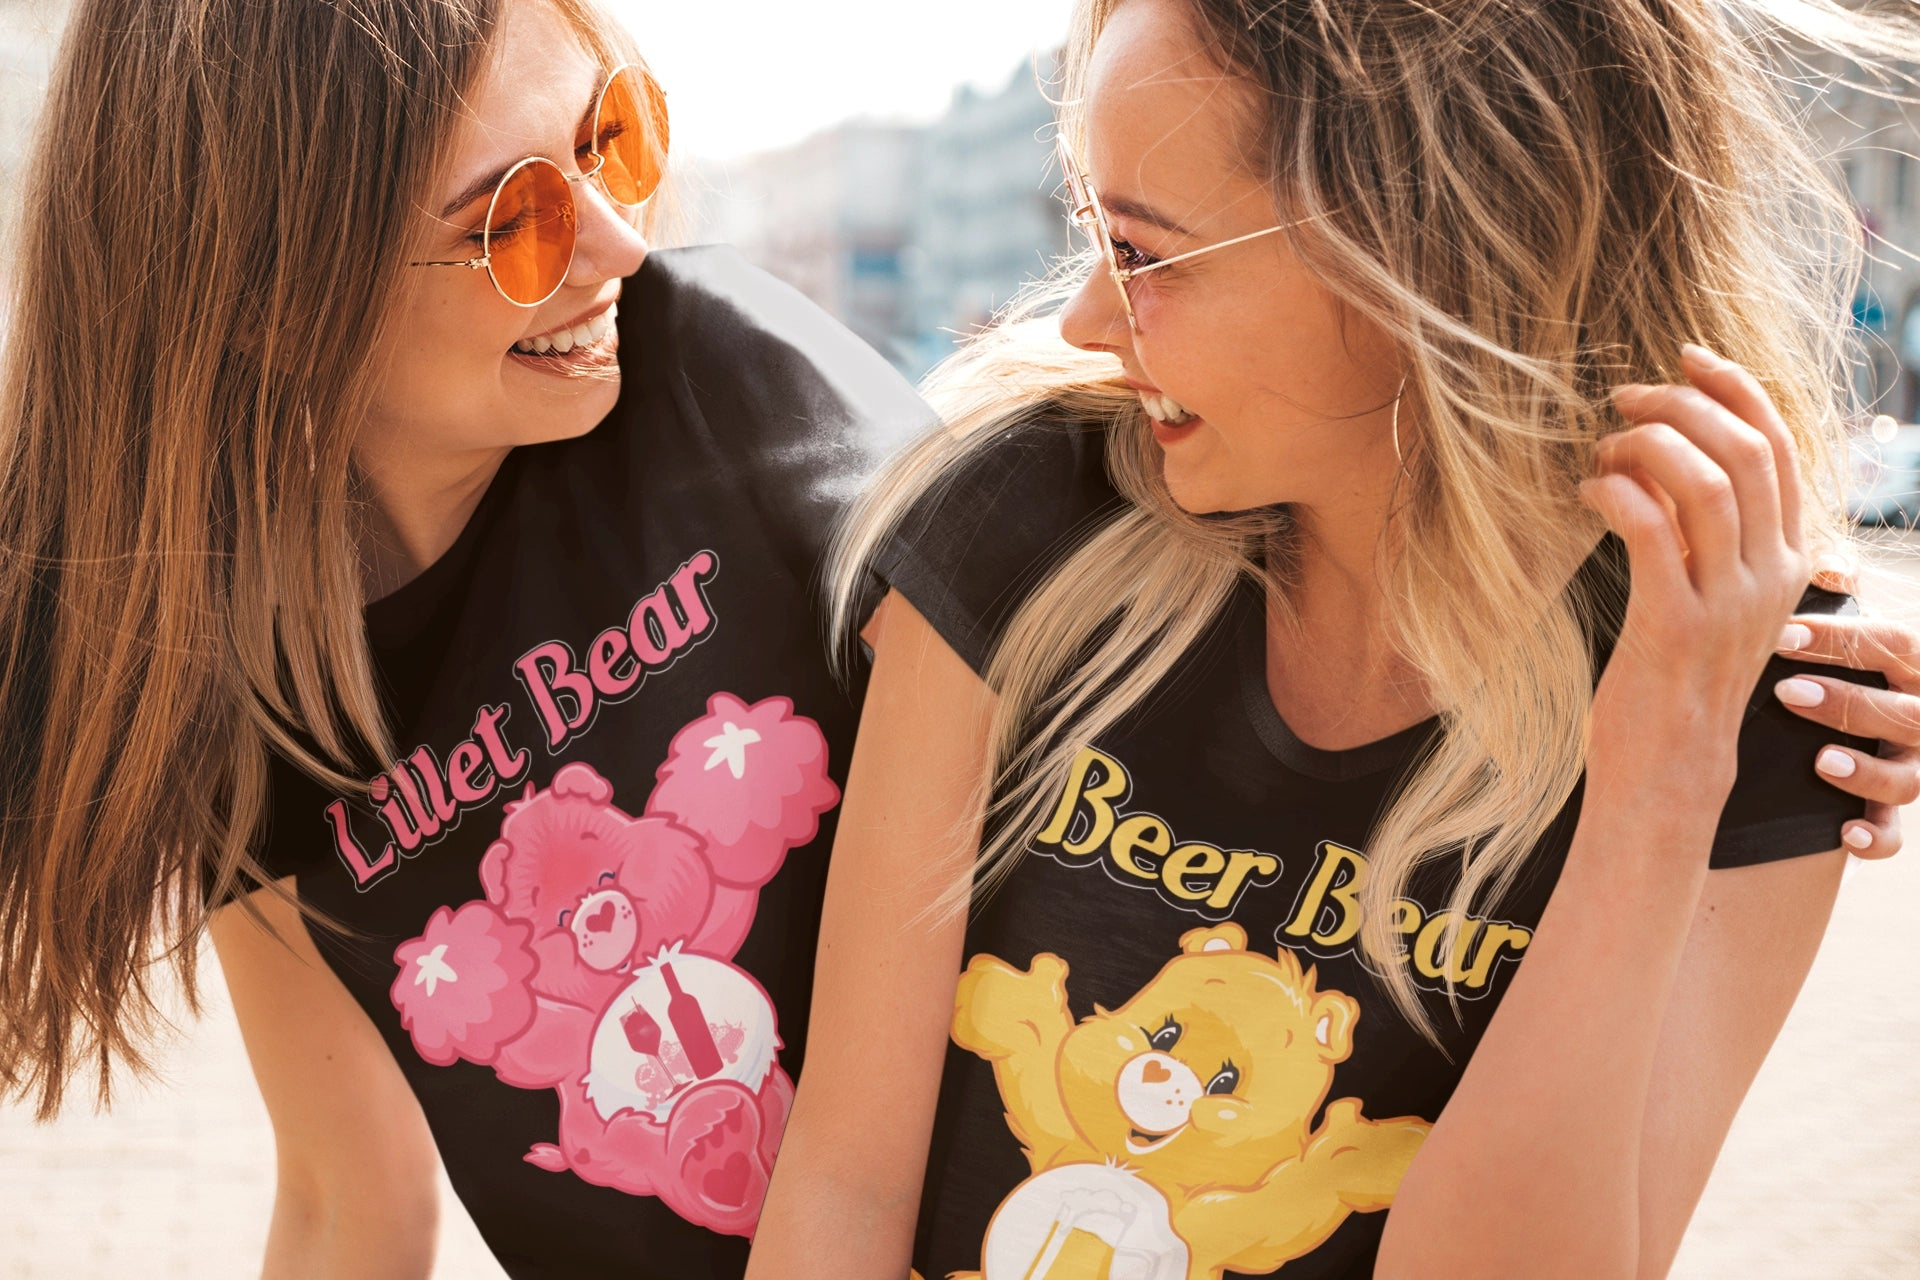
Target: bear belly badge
[(1173, 1138), (599, 963)]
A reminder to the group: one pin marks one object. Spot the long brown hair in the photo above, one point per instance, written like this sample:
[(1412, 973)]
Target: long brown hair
[(1537, 199), (220, 202)]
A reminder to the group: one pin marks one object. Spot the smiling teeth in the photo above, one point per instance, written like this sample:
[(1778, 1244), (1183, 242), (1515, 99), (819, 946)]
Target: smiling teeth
[(561, 341), (1165, 409)]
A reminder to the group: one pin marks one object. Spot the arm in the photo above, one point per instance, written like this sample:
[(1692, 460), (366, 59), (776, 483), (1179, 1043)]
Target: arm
[(846, 1187), (358, 1192), (1558, 1134), (1752, 941)]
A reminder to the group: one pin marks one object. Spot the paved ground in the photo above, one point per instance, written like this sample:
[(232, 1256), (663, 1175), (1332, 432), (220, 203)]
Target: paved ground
[(1820, 1177)]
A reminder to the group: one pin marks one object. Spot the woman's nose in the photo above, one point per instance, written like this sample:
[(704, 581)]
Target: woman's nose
[(1095, 319), (607, 245)]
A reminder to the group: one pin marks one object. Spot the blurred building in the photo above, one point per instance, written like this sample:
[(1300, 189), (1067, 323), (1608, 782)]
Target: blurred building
[(911, 235), (986, 219), (831, 216), (1876, 142)]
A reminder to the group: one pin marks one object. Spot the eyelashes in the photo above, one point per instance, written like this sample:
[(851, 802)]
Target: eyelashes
[(1129, 257)]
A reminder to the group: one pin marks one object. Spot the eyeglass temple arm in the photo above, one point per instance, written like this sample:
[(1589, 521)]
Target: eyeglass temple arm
[(471, 263), (1131, 272)]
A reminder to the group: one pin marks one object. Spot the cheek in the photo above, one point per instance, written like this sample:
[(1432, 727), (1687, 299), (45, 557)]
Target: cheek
[(447, 384), (1286, 392), (445, 356)]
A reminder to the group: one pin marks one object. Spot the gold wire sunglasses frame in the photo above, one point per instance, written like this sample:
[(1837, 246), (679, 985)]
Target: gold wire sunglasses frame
[(551, 186), (1085, 211)]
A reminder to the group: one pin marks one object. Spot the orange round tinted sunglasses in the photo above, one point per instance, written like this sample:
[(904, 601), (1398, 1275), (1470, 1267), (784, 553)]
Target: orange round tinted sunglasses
[(526, 243)]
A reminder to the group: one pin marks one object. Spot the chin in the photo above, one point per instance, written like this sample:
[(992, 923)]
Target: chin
[(1199, 490), (566, 411)]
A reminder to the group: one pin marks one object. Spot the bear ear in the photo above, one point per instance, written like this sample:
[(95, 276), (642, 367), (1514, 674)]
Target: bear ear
[(1333, 1017), (493, 871), (1225, 937)]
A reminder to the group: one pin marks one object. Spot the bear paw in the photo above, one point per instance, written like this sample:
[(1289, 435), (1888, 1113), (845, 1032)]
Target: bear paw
[(999, 1011), (546, 1156), (714, 1137), (1368, 1157)]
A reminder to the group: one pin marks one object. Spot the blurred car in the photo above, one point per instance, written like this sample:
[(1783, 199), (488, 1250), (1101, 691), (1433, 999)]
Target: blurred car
[(1885, 486)]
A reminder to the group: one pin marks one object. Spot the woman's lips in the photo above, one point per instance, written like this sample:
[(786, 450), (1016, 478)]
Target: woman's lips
[(1168, 433)]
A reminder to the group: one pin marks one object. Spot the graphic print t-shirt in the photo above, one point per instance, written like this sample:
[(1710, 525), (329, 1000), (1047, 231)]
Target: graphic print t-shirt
[(584, 904), (1169, 1057)]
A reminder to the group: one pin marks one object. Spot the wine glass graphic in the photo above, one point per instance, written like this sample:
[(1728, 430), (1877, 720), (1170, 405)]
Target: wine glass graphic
[(643, 1033)]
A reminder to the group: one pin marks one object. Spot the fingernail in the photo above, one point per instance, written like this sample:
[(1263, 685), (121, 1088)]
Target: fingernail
[(1799, 692), (1835, 763), (1829, 565), (1795, 637), (1857, 838), (1702, 356)]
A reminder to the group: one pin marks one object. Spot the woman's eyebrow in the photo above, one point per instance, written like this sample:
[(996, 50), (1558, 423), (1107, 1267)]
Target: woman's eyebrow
[(480, 186), (1139, 212)]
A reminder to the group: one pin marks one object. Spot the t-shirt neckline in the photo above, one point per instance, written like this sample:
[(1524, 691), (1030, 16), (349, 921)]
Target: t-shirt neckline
[(1327, 765), (393, 618)]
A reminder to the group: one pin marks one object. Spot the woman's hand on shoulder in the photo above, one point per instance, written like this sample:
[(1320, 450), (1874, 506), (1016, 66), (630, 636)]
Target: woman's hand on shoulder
[(1890, 647), (1704, 489)]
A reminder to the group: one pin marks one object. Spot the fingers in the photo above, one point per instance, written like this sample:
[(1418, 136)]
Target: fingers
[(1876, 836), (1704, 499), (1865, 644), (1888, 714), (1836, 571), (1894, 781), (1641, 521), (1761, 470), (1742, 395)]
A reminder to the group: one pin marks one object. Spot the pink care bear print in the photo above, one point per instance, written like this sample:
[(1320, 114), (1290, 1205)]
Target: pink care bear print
[(600, 962)]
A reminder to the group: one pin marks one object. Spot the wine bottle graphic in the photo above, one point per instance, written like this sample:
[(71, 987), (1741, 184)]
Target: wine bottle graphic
[(690, 1024)]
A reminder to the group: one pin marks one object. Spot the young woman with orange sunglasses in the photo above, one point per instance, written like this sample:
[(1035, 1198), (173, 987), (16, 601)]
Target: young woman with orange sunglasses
[(381, 522)]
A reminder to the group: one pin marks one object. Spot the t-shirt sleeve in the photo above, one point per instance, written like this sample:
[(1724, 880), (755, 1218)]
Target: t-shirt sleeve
[(291, 838), (1779, 807), (972, 550), (786, 404)]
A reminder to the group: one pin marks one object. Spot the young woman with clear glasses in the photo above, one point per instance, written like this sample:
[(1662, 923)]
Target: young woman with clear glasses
[(1365, 680), (408, 578)]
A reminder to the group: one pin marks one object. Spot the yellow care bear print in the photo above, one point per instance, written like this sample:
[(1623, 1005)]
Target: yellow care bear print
[(1172, 1138)]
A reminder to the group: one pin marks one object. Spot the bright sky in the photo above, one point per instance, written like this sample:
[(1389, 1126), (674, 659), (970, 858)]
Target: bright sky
[(745, 75)]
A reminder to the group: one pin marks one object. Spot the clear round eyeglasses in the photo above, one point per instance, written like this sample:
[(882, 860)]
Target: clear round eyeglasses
[(1085, 211)]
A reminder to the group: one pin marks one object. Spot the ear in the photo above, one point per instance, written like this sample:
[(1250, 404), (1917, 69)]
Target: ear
[(493, 872), (1333, 1017), (1224, 937)]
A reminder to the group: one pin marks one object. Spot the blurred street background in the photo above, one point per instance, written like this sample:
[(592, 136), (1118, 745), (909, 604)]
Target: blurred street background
[(912, 196)]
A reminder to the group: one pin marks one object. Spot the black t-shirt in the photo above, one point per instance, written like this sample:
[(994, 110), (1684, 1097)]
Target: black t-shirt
[(585, 905), (1169, 1058)]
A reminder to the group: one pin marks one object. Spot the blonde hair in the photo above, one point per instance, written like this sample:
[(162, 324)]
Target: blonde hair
[(1536, 201), (222, 195)]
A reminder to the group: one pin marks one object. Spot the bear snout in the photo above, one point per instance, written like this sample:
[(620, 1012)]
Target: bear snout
[(605, 929), (1157, 1092)]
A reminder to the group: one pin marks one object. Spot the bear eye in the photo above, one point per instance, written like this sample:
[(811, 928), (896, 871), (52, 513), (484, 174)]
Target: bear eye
[(1166, 1037), (1225, 1080), (566, 914), (605, 876)]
